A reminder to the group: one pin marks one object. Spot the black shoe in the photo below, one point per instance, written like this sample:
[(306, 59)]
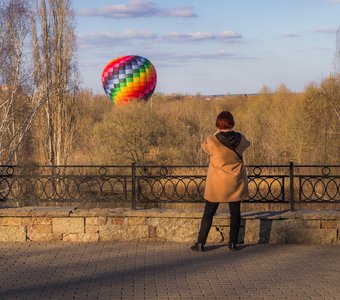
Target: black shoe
[(233, 247), (198, 247)]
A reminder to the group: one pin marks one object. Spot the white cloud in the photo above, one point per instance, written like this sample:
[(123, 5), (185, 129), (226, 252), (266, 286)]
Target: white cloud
[(203, 36), (189, 36), (98, 39), (107, 37), (183, 12), (289, 35), (136, 9), (335, 1), (229, 35)]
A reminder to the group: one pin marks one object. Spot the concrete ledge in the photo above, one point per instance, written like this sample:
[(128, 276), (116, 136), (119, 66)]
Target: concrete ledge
[(70, 224)]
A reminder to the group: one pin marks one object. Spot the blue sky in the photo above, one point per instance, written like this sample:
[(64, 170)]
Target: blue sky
[(211, 47)]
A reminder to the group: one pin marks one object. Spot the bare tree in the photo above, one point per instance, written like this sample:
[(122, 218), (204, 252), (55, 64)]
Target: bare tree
[(14, 99), (54, 47)]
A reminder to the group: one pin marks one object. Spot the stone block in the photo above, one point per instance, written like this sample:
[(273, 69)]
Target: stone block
[(36, 221), (39, 233), (116, 221), (153, 221), (90, 229), (123, 233), (299, 223), (95, 221), (39, 229), (252, 232), (218, 234), (175, 229), (10, 221), (265, 228), (328, 224), (68, 225), (70, 237), (152, 232), (87, 237), (47, 237), (221, 221), (311, 236), (80, 237), (277, 232), (12, 234), (135, 221)]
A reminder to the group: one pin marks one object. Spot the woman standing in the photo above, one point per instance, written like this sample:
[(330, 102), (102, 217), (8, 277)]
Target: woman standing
[(226, 179)]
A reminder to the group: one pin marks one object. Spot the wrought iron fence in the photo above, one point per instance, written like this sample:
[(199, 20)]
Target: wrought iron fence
[(43, 184), (138, 185), (318, 183)]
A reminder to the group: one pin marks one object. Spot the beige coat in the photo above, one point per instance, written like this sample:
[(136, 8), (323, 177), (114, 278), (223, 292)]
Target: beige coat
[(227, 178)]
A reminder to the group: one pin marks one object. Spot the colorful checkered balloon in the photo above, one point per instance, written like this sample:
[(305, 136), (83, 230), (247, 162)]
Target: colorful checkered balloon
[(129, 78)]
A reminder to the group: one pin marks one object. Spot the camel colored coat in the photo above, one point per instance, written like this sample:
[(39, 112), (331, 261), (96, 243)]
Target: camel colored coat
[(227, 178)]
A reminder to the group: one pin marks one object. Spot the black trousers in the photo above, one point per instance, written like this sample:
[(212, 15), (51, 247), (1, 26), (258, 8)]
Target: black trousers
[(210, 210)]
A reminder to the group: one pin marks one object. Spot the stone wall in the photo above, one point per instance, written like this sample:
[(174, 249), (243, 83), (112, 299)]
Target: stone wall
[(70, 224)]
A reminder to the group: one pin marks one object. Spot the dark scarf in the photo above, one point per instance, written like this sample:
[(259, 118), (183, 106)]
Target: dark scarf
[(230, 139)]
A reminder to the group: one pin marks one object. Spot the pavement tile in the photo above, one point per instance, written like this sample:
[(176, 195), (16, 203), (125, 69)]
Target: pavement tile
[(156, 270)]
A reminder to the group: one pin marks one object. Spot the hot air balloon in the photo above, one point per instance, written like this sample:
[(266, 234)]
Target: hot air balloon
[(129, 78)]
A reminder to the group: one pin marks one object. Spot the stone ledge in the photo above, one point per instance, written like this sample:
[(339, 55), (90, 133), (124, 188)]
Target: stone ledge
[(168, 213), (70, 224), (297, 214), (37, 211), (313, 215), (126, 212)]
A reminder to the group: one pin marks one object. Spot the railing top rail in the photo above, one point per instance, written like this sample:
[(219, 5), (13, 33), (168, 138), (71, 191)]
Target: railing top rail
[(205, 166), (168, 166), (249, 166), (171, 166), (268, 166), (320, 166), (66, 166)]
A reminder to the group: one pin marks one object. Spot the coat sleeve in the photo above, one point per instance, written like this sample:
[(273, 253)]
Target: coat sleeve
[(243, 145), (205, 146)]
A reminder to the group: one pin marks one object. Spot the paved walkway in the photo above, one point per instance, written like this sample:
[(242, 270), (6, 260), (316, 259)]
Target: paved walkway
[(156, 270)]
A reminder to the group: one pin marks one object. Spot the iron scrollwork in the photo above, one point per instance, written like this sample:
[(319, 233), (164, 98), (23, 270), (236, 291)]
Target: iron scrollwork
[(154, 184)]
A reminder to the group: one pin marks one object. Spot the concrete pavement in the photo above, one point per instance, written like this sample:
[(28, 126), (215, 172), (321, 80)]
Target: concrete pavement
[(156, 270)]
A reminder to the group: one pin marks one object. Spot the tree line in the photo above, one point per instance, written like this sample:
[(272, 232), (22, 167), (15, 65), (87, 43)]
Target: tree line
[(47, 119), (282, 126)]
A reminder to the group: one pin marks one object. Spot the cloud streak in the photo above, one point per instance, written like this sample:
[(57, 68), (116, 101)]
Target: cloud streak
[(105, 38), (289, 35), (128, 34), (325, 30), (203, 36), (218, 55), (137, 9)]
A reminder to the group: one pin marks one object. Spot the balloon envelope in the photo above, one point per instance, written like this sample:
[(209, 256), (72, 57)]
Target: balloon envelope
[(129, 78)]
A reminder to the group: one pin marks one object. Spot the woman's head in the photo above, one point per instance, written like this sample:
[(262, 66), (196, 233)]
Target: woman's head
[(225, 120)]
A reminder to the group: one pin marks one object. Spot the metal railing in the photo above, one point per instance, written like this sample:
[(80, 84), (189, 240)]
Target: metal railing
[(46, 184), (138, 185)]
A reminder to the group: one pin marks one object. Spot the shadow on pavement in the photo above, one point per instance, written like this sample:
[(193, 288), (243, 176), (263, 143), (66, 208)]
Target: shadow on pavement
[(218, 246)]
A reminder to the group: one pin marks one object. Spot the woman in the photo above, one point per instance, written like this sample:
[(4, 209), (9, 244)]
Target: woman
[(226, 179)]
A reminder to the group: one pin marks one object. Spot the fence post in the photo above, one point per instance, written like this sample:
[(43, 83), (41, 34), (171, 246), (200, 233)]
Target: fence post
[(133, 173), (291, 185)]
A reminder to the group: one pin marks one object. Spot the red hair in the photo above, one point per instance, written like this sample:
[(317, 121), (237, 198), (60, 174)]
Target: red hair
[(225, 120)]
